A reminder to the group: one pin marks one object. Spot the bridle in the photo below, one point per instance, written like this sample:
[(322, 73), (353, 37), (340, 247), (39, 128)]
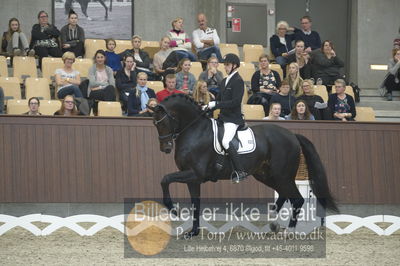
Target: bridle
[(173, 129)]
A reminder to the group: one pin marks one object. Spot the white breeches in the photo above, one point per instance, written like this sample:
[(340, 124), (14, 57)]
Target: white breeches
[(229, 133)]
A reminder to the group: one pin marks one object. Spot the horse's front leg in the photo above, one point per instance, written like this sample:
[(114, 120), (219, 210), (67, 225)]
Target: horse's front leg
[(194, 189), (181, 177)]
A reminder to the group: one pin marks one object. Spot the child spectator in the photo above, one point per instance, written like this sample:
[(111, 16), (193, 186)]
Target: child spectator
[(184, 79), (113, 59)]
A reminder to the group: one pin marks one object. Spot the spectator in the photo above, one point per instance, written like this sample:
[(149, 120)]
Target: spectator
[(201, 95), (284, 98), (170, 84), (142, 58), (341, 104), (184, 79), (68, 107), (300, 112), (206, 40), (33, 104), (327, 66), (73, 36), (212, 75), (396, 42), (139, 97), (281, 44), (314, 102), (179, 41), (294, 80), (149, 112), (392, 79), (113, 60), (68, 79), (274, 112), (311, 38), (264, 83), (302, 58), (101, 79), (44, 38), (1, 101), (161, 56), (14, 41), (126, 80)]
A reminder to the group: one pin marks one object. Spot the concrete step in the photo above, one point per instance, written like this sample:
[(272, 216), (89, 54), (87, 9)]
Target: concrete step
[(380, 104), (387, 113), (375, 92), (388, 119)]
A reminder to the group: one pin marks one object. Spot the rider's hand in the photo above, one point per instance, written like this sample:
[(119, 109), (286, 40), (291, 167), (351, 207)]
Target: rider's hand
[(211, 105)]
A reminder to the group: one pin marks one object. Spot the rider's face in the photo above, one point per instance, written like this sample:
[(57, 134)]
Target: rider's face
[(228, 68)]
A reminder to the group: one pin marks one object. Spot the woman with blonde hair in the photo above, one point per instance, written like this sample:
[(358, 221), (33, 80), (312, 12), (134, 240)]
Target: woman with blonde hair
[(294, 80), (139, 97), (68, 79), (274, 112), (180, 42), (314, 102), (68, 107), (161, 55), (201, 95)]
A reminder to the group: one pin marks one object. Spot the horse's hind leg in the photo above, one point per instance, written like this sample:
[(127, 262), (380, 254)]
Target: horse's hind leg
[(84, 5), (267, 180), (105, 7)]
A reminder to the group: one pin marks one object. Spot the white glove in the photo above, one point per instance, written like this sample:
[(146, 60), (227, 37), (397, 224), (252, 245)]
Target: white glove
[(211, 105)]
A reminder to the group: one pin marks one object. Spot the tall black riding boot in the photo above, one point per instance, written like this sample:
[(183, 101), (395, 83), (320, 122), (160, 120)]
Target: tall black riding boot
[(238, 173)]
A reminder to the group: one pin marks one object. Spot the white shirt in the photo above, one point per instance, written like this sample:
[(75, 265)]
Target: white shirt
[(208, 34), (229, 77)]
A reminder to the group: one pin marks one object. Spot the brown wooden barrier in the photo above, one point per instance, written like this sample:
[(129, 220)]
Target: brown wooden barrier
[(59, 159)]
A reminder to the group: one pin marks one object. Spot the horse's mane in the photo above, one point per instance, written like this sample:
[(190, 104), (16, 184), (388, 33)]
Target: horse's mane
[(183, 97)]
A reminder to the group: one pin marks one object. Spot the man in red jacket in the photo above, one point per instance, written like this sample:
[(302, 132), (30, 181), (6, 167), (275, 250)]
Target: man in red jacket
[(170, 84)]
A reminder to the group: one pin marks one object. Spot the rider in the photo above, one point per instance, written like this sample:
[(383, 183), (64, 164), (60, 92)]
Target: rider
[(229, 101)]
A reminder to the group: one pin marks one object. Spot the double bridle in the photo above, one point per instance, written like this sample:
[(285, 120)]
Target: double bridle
[(173, 129)]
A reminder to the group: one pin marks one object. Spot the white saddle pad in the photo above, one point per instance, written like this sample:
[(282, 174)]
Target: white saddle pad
[(247, 141)]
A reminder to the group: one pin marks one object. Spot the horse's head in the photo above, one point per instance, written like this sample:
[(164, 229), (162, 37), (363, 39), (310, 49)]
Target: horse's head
[(166, 126)]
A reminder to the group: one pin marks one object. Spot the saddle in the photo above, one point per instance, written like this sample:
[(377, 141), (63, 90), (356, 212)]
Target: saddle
[(244, 140)]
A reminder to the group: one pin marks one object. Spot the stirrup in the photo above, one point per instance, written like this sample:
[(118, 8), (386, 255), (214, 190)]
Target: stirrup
[(238, 176)]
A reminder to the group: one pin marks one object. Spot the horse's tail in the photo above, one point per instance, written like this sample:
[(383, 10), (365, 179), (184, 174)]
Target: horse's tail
[(317, 174)]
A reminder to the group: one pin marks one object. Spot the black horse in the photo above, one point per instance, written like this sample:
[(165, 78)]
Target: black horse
[(84, 5), (274, 162)]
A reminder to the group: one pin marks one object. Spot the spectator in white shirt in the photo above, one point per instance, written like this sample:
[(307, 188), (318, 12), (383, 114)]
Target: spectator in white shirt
[(206, 39)]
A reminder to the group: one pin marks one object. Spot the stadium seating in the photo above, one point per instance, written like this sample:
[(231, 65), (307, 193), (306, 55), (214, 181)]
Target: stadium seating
[(246, 70), (253, 111), (122, 45), (151, 47), (11, 87), (49, 107), (196, 69), (49, 66), (24, 66), (82, 65), (365, 114), (278, 69), (109, 109), (3, 67), (321, 91), (37, 87), (17, 107), (227, 48), (251, 52), (92, 45), (155, 85)]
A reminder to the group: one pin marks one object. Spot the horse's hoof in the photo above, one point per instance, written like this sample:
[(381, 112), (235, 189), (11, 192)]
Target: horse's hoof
[(275, 227), (89, 19)]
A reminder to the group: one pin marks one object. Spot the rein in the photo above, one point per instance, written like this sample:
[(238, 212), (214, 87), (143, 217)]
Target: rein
[(174, 135)]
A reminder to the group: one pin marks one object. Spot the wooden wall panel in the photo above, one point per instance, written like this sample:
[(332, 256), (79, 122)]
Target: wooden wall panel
[(58, 159)]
